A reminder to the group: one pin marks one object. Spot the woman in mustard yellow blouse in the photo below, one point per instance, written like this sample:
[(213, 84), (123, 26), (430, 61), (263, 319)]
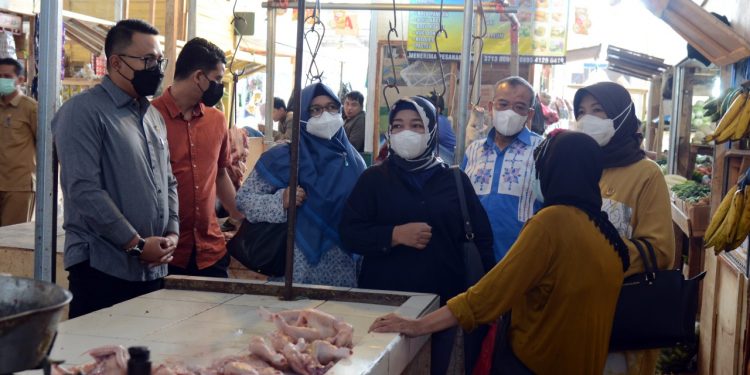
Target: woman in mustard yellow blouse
[(634, 193), (561, 278)]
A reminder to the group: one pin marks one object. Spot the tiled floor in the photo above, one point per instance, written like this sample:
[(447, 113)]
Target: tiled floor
[(197, 327)]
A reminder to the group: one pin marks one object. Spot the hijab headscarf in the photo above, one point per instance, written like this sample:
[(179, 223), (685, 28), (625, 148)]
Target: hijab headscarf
[(625, 147), (328, 170), (569, 166), (418, 170)]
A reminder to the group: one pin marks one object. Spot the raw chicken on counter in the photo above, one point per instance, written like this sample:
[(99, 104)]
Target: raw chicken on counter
[(306, 342), (108, 360)]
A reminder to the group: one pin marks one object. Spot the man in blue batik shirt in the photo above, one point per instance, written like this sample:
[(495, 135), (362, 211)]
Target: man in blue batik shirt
[(501, 167)]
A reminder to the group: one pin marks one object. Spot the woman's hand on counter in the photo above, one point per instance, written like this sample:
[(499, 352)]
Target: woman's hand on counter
[(396, 323), (435, 321)]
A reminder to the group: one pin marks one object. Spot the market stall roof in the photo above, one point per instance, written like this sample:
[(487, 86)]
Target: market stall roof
[(712, 38), (244, 64), (634, 64), (87, 31), (25, 7), (90, 32), (254, 45), (585, 53)]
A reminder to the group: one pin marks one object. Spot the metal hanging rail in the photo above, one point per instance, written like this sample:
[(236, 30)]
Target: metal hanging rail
[(468, 8), (387, 7)]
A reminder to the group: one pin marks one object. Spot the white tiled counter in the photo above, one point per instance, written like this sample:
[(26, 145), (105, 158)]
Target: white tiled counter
[(196, 327)]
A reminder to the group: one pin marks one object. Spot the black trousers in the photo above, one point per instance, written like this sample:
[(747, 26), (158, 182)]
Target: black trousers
[(441, 350), (218, 269), (95, 290)]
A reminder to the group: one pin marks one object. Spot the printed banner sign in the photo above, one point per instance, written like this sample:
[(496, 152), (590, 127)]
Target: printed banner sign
[(542, 35)]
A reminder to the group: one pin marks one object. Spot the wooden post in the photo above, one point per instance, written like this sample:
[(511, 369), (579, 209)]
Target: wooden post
[(682, 97), (170, 40), (651, 130), (152, 9), (125, 9), (180, 32)]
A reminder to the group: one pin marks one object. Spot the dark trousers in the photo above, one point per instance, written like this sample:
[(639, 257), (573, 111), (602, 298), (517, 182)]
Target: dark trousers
[(95, 290), (218, 269), (441, 349), (473, 347)]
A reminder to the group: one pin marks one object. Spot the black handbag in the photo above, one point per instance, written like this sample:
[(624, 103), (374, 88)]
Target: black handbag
[(261, 247), (504, 361), (474, 270), (656, 309)]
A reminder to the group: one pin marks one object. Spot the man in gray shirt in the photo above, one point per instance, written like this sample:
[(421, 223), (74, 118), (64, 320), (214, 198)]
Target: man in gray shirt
[(121, 222), (354, 118)]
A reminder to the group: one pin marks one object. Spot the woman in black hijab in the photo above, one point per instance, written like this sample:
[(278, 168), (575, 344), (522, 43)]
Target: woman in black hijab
[(634, 193), (561, 278), (404, 217)]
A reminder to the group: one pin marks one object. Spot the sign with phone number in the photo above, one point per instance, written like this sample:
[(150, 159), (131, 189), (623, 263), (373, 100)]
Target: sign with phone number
[(548, 60), (542, 35)]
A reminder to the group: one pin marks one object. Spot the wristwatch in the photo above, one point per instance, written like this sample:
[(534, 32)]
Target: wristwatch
[(136, 250)]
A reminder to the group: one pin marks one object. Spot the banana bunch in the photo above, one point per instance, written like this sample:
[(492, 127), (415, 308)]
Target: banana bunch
[(735, 122), (730, 225)]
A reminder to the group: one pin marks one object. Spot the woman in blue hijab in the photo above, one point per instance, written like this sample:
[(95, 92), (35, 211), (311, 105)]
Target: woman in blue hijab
[(328, 169)]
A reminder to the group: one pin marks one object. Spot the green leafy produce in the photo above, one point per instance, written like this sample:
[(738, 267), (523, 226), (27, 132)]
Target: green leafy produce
[(691, 192)]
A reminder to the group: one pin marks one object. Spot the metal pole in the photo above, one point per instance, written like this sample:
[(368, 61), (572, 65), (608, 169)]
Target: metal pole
[(463, 93), (674, 127), (270, 72), (45, 236), (388, 6), (477, 63), (294, 157), (513, 45), (371, 134), (192, 18)]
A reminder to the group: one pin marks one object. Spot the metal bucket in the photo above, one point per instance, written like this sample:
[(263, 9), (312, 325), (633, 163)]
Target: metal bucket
[(29, 313)]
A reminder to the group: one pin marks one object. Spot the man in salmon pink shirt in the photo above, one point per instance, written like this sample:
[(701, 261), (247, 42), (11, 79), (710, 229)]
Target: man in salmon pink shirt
[(200, 154)]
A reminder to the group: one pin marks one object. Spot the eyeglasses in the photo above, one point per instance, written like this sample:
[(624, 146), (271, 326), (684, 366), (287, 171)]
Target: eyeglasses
[(149, 62), (520, 108), (317, 110)]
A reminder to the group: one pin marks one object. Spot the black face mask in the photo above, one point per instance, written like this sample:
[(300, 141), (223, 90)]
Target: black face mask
[(213, 93), (145, 82)]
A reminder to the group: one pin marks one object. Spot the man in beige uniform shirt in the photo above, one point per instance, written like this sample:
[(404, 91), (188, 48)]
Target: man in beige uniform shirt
[(18, 114)]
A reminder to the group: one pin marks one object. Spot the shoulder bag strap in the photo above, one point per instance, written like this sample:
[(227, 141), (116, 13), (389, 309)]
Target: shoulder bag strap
[(462, 201), (647, 269), (651, 253)]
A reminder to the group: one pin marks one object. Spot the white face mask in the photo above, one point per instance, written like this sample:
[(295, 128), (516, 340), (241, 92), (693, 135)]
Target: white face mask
[(325, 125), (602, 130), (408, 144), (507, 122)]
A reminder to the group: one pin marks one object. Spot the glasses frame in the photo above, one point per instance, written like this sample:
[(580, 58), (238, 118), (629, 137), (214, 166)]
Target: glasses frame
[(524, 112), (327, 108), (161, 63)]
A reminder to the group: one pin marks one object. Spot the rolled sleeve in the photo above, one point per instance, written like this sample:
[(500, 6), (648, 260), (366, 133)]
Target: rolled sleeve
[(459, 307)]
